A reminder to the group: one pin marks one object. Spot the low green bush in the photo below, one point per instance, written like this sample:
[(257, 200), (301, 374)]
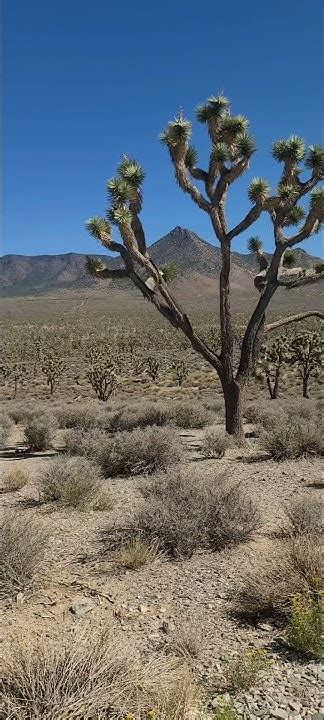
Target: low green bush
[(305, 626), (215, 443)]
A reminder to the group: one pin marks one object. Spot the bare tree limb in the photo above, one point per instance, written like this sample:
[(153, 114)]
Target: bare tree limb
[(292, 319), (299, 282)]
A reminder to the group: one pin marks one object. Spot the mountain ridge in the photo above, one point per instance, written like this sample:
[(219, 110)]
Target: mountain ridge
[(194, 257)]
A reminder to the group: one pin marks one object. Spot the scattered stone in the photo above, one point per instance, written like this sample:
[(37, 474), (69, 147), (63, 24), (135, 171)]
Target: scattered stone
[(82, 606), (295, 705), (143, 609), (265, 627), (279, 713)]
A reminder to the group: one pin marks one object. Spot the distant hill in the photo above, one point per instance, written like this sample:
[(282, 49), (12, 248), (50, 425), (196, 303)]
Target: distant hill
[(198, 263)]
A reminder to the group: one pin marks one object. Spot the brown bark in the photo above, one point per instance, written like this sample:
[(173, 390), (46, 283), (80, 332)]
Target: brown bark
[(233, 395)]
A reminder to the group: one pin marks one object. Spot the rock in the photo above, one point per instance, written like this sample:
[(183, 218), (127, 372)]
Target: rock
[(81, 606), (279, 713), (143, 609), (265, 627), (295, 705)]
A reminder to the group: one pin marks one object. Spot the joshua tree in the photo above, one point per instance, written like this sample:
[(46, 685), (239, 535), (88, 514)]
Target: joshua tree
[(270, 364), (153, 366), (306, 353), (180, 370), (15, 370), (52, 367), (101, 374), (230, 153)]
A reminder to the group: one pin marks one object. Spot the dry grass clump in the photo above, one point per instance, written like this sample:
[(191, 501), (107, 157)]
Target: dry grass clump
[(246, 669), (136, 553), (91, 677), (185, 642), (23, 411), (181, 414), (184, 513), (268, 416), (291, 568), (215, 443), (14, 479), (301, 408), (189, 415), (293, 439), (87, 443), (77, 416), (23, 546), (141, 415), (6, 426), (39, 432), (128, 453), (74, 482), (304, 517)]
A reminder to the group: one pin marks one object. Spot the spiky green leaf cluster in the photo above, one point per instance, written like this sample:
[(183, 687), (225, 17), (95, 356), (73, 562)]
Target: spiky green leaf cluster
[(220, 152), (317, 202), (294, 215), (292, 149), (98, 225), (122, 215), (191, 157), (289, 259), (254, 244), (94, 265), (215, 108), (315, 159), (245, 145), (176, 132), (170, 272), (287, 192), (233, 126), (259, 190), (131, 171), (119, 190)]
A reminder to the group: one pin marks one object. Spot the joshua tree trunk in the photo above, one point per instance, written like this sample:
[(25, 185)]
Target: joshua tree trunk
[(305, 386), (233, 395)]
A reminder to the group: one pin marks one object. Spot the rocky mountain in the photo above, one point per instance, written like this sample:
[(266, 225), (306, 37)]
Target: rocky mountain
[(196, 260)]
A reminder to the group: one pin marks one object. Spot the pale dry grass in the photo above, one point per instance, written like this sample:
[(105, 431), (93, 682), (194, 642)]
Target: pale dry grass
[(136, 553), (23, 547), (14, 479), (93, 678)]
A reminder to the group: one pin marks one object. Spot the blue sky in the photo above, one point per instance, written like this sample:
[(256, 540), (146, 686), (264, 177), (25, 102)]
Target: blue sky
[(86, 81)]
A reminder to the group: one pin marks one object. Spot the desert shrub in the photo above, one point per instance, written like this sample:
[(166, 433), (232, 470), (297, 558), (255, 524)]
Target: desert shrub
[(214, 405), (39, 432), (23, 546), (136, 553), (6, 426), (215, 443), (225, 711), (305, 626), (185, 642), (139, 451), (92, 677), (77, 416), (75, 482), (301, 409), (190, 415), (85, 443), (14, 479), (244, 671), (294, 439), (305, 516), (140, 416), (22, 412), (184, 513), (265, 415), (292, 567)]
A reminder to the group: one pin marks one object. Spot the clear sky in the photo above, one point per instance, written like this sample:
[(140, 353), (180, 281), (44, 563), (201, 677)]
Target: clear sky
[(86, 80)]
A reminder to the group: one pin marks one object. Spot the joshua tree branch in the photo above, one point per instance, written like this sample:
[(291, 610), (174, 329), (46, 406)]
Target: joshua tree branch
[(292, 319), (299, 282), (249, 219), (188, 187)]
